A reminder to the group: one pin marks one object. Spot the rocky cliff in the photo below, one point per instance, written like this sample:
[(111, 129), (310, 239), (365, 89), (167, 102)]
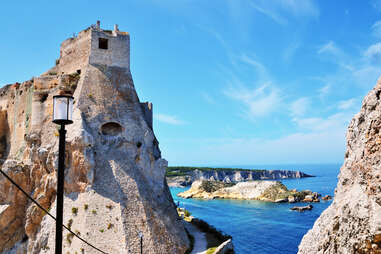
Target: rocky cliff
[(231, 176), (352, 223), (114, 178)]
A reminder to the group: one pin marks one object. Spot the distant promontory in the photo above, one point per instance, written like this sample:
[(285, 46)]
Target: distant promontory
[(185, 176)]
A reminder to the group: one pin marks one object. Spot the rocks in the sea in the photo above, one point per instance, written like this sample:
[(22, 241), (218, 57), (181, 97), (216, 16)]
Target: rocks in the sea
[(272, 191), (352, 223), (301, 208), (327, 197)]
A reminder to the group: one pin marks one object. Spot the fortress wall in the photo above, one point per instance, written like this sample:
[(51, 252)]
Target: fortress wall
[(74, 53), (118, 52)]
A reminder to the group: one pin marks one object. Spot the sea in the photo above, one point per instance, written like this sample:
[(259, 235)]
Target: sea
[(262, 227)]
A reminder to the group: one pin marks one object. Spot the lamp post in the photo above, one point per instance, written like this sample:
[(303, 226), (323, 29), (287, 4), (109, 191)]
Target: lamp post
[(141, 242), (62, 115)]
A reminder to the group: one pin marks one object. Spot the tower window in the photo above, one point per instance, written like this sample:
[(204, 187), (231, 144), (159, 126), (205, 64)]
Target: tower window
[(103, 43)]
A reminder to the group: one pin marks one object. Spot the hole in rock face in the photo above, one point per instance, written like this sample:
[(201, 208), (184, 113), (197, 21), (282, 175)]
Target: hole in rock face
[(111, 129), (139, 144), (4, 135), (43, 97)]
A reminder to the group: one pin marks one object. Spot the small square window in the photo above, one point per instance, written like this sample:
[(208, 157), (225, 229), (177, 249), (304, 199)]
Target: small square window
[(103, 43)]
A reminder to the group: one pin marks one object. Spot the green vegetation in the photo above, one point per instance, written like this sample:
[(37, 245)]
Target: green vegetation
[(279, 191), (74, 210), (211, 250), (110, 225), (70, 223), (85, 206), (101, 230), (212, 186), (184, 171), (213, 236), (93, 211)]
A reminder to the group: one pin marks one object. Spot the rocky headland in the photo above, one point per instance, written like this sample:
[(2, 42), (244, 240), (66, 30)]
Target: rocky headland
[(185, 176), (115, 187), (352, 223), (271, 191)]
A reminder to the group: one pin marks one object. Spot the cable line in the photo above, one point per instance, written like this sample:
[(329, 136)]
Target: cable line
[(43, 209)]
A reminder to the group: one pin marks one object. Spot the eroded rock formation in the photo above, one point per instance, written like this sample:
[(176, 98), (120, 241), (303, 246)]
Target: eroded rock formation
[(114, 178), (352, 223)]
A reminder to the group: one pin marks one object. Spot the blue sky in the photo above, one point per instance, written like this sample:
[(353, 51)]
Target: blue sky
[(233, 82)]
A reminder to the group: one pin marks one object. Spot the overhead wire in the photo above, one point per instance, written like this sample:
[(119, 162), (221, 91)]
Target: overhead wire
[(47, 212)]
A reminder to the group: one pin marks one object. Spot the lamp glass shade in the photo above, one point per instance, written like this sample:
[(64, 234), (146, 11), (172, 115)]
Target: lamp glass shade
[(62, 109)]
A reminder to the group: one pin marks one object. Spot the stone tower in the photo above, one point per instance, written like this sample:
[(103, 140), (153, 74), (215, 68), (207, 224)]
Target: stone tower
[(114, 177)]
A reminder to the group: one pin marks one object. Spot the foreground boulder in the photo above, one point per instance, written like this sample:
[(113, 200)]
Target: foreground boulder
[(352, 223)]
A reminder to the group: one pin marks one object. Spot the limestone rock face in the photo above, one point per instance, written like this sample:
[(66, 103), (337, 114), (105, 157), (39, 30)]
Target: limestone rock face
[(352, 223), (115, 186)]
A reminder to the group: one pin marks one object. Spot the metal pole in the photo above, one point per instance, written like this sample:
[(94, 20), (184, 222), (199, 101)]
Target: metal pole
[(141, 245), (60, 189)]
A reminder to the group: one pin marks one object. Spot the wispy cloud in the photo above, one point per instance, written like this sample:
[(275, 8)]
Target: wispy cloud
[(373, 53), (168, 119), (323, 91), (347, 104), (279, 11), (258, 102), (330, 48), (376, 29), (300, 106)]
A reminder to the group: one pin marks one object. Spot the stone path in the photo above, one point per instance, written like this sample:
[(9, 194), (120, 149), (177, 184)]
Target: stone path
[(200, 244)]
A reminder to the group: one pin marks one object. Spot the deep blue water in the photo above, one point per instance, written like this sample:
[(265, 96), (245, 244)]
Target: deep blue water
[(262, 227)]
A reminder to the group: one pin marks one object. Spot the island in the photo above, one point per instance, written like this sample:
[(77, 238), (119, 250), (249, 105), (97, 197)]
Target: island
[(185, 176), (271, 191)]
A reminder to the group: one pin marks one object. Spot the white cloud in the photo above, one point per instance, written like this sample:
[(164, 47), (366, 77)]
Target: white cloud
[(279, 10), (300, 106), (258, 102), (373, 52), (330, 48), (168, 119), (338, 121), (324, 90), (347, 104), (258, 67), (376, 29), (301, 7)]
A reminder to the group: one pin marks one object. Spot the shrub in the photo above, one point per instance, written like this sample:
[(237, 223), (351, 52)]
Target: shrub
[(74, 210), (85, 206), (93, 211)]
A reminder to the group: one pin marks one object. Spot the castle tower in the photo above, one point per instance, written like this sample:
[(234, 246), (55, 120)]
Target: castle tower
[(95, 46)]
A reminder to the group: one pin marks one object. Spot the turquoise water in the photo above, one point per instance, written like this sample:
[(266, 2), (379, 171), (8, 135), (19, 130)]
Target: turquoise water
[(262, 227)]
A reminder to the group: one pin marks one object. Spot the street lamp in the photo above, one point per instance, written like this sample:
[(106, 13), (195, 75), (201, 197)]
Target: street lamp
[(141, 242), (62, 115)]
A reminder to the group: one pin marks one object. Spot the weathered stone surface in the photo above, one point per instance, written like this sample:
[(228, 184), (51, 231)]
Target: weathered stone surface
[(352, 223), (114, 178)]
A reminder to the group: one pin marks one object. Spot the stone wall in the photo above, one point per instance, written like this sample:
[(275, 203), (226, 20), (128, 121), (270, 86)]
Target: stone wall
[(118, 52), (75, 52)]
